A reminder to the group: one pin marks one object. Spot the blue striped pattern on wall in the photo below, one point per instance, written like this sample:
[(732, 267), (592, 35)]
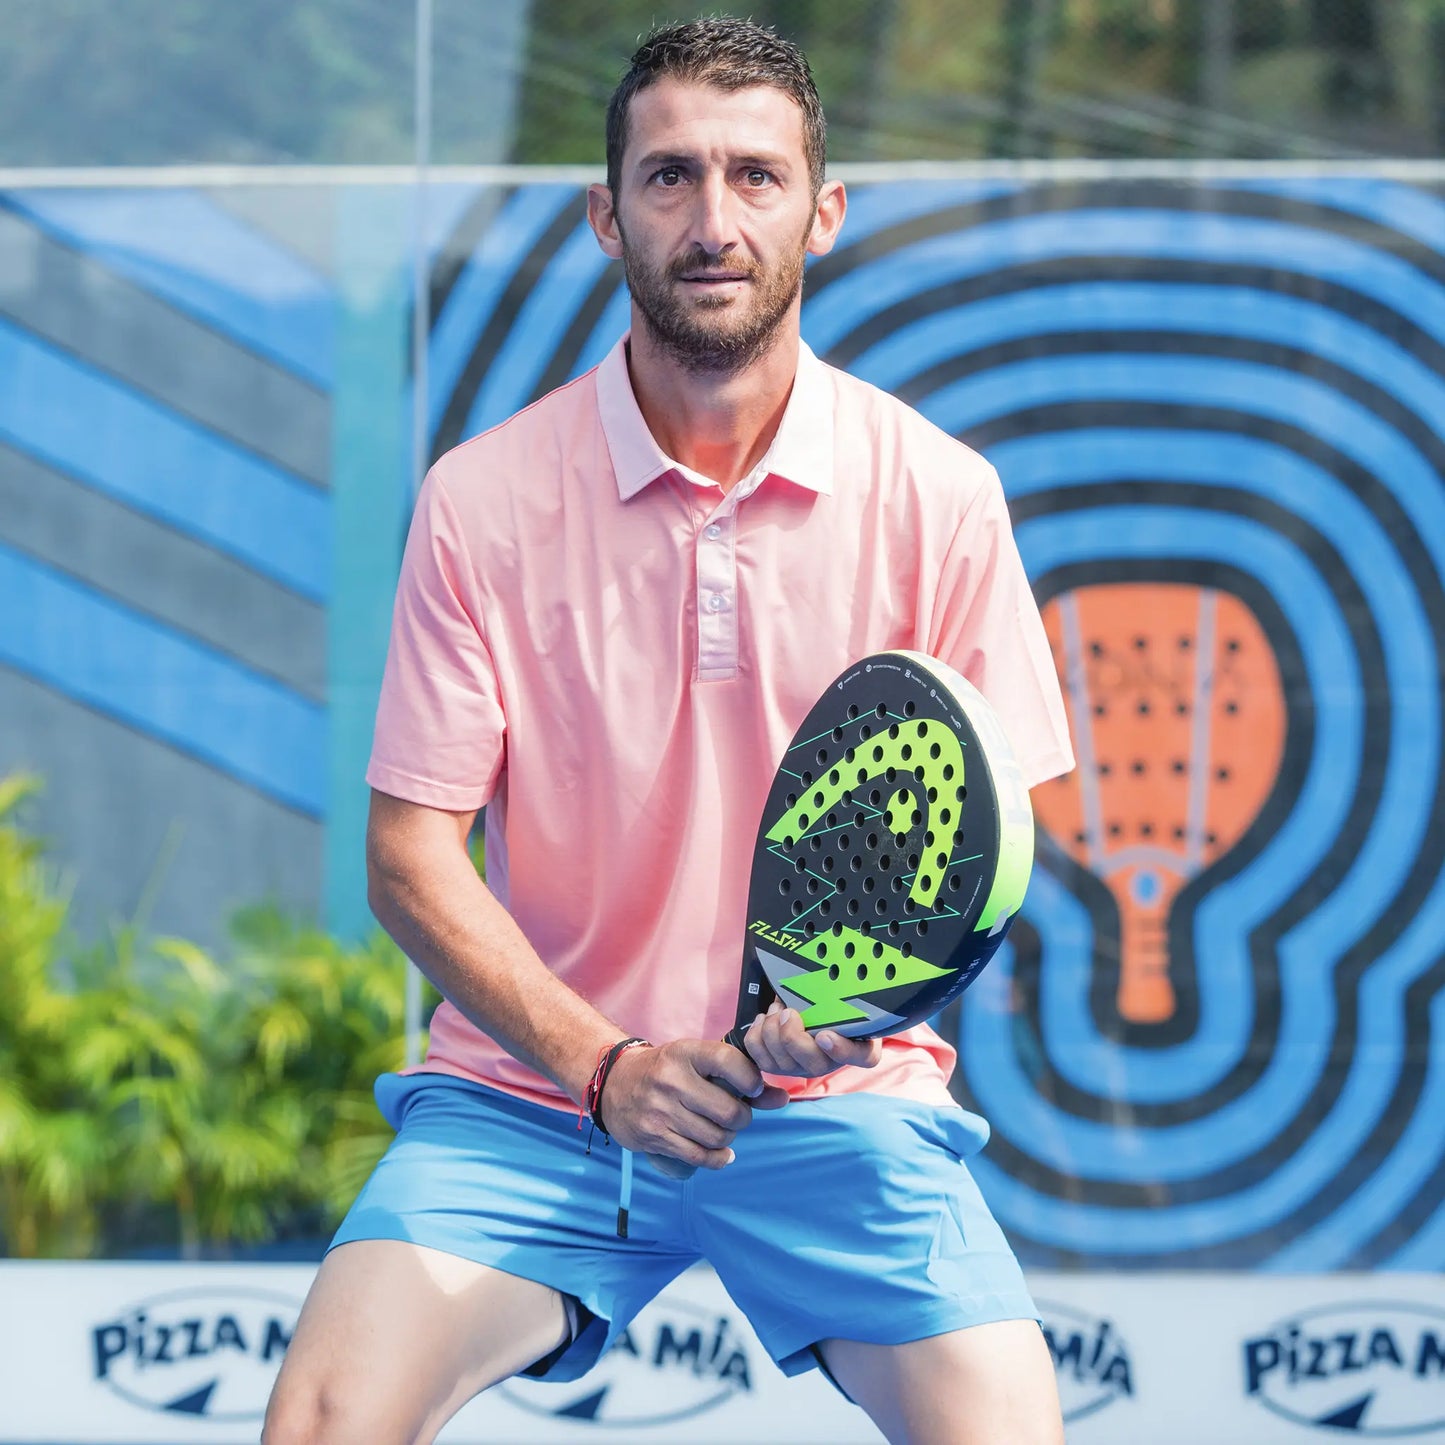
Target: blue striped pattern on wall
[(115, 436)]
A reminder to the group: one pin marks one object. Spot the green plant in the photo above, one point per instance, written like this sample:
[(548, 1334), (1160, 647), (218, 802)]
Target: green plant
[(315, 1022), (52, 1144), (152, 1090)]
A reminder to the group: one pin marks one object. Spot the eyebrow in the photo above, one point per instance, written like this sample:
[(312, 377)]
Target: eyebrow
[(655, 160)]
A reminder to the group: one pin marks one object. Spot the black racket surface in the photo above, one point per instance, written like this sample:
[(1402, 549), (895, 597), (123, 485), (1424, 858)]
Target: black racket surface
[(894, 850)]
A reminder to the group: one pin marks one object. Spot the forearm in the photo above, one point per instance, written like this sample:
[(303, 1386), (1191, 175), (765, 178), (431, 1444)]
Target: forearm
[(453, 928)]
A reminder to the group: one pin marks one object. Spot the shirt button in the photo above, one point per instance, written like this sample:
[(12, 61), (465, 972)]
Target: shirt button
[(716, 602), (712, 531)]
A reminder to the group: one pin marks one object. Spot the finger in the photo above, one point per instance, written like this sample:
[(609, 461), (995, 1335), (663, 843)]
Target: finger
[(698, 1128), (689, 1118), (735, 1071), (857, 1053), (765, 1048), (762, 1029), (687, 1151), (792, 1047), (772, 1097), (686, 1136), (755, 1041), (672, 1168), (718, 1106)]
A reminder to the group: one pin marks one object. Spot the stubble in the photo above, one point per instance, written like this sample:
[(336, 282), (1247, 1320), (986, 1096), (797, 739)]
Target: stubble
[(703, 336)]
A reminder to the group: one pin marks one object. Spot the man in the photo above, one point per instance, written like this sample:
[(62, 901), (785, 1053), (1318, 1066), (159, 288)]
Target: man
[(613, 611)]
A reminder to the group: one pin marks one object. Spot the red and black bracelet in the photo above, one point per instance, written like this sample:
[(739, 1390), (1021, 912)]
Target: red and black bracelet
[(592, 1094)]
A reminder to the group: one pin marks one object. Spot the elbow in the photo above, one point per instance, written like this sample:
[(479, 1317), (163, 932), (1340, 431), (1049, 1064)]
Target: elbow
[(377, 894), (385, 878), (414, 858)]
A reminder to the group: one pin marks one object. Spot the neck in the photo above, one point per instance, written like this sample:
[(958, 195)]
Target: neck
[(720, 426)]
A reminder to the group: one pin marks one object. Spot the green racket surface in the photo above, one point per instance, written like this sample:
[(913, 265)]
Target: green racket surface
[(893, 853)]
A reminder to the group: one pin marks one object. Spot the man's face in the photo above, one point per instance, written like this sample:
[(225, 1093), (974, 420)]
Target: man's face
[(714, 217)]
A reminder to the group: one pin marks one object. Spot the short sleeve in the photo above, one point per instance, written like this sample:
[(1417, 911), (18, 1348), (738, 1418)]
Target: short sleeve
[(986, 624), (440, 730)]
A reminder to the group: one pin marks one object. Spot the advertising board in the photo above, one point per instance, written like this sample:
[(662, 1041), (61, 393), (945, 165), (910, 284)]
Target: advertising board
[(151, 1354)]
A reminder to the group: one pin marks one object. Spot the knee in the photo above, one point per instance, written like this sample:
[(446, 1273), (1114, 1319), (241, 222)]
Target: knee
[(304, 1413)]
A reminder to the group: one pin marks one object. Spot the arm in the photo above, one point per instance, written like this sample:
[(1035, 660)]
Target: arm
[(426, 894), (984, 622)]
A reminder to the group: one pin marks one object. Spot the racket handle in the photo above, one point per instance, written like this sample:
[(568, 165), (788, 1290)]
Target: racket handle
[(672, 1168), (679, 1168)]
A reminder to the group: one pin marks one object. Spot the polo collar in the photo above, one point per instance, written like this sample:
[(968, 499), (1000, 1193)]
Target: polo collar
[(801, 453)]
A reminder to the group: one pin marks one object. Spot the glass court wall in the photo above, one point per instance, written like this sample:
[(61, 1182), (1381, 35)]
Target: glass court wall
[(1175, 267)]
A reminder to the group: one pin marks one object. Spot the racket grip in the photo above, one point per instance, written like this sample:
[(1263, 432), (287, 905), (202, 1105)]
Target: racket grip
[(672, 1168)]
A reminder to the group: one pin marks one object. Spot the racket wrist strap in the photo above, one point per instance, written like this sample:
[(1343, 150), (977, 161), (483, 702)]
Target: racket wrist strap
[(592, 1095)]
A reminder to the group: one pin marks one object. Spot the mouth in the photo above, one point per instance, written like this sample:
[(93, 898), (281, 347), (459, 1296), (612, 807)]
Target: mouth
[(713, 278)]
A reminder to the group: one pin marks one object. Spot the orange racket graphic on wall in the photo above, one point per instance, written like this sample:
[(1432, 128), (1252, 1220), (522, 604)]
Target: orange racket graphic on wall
[(1178, 717)]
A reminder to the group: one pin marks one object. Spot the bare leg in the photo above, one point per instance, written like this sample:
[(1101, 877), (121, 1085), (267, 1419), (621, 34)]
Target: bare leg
[(988, 1385), (395, 1338)]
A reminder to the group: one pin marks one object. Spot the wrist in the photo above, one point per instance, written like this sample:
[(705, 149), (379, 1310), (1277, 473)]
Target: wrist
[(582, 1060), (607, 1059)]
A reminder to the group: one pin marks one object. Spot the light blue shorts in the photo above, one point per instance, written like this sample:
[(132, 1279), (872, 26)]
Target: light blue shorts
[(853, 1217)]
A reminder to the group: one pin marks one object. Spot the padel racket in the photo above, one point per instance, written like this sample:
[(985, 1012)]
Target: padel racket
[(894, 851), (1176, 697)]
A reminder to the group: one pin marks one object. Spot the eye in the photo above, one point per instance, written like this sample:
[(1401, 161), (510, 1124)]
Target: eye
[(758, 177), (669, 176)]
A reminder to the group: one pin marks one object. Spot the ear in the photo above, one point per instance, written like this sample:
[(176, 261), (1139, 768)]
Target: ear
[(827, 218), (602, 217)]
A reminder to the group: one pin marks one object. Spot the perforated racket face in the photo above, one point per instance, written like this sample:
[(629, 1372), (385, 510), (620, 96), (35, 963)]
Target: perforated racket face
[(893, 853)]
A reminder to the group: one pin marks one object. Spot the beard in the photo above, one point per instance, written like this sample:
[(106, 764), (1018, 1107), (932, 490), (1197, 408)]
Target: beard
[(713, 336)]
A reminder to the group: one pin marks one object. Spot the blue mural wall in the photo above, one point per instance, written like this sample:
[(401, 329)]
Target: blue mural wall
[(1219, 412), (166, 547)]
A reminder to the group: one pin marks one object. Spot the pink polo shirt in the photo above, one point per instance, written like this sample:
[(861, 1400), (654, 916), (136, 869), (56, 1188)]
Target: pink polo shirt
[(613, 655)]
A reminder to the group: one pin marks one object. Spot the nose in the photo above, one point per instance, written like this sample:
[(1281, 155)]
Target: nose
[(714, 221)]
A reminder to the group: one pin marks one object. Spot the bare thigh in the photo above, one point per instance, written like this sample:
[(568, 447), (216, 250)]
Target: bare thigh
[(395, 1338), (986, 1385)]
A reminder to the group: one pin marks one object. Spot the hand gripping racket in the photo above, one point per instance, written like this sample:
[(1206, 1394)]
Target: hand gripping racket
[(894, 851)]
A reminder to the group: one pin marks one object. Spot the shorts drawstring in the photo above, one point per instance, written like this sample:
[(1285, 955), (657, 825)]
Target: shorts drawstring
[(624, 1194), (591, 1109)]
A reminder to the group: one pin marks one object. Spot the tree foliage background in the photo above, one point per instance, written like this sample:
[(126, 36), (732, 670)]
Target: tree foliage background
[(154, 1097), (96, 82)]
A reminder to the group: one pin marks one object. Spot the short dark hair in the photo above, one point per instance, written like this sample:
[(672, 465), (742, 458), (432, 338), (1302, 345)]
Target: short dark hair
[(730, 54)]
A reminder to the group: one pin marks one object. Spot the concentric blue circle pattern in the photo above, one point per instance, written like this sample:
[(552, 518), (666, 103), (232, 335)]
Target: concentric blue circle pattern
[(1229, 391)]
